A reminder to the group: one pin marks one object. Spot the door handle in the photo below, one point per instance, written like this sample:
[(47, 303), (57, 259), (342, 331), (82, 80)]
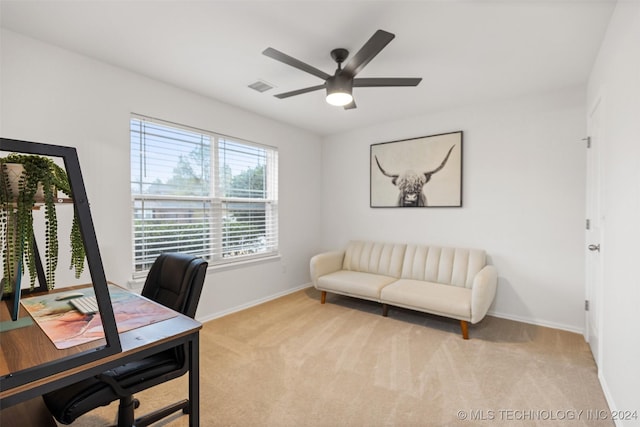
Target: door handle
[(594, 248)]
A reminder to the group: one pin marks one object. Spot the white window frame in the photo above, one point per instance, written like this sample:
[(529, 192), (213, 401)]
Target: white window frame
[(217, 201)]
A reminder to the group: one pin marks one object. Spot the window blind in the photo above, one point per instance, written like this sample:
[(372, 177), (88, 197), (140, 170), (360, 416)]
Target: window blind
[(200, 193)]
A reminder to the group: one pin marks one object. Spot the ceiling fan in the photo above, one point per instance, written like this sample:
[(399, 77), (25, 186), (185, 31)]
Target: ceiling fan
[(340, 85)]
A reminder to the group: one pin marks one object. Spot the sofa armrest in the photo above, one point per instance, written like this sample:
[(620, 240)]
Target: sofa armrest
[(325, 263), (483, 292)]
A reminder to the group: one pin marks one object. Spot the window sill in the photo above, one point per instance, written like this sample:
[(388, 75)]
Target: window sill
[(222, 266), (136, 284)]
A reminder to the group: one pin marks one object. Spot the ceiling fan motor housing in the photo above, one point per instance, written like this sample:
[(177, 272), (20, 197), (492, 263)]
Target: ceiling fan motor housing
[(340, 87), (339, 83)]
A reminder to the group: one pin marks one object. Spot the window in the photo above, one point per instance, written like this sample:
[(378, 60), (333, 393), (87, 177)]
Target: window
[(200, 193)]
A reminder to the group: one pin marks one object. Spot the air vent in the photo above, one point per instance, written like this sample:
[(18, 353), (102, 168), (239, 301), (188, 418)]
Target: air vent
[(261, 86)]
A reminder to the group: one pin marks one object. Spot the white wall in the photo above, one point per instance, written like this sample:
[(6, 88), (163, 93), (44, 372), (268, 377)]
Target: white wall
[(523, 199), (54, 96), (616, 80)]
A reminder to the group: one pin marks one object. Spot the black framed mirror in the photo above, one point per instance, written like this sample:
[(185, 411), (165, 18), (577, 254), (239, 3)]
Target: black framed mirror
[(69, 158)]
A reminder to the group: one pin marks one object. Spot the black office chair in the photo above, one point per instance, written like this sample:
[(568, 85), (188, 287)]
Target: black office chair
[(175, 280)]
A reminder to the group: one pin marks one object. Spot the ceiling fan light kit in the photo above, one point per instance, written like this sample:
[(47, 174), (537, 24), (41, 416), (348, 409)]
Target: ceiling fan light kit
[(340, 86)]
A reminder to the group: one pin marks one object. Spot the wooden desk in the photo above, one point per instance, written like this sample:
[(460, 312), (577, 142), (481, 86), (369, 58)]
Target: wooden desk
[(26, 347)]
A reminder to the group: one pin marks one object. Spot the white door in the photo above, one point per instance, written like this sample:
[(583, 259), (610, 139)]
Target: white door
[(594, 232)]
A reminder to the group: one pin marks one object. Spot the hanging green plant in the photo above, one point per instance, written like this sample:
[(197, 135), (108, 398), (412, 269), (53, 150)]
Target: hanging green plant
[(26, 180)]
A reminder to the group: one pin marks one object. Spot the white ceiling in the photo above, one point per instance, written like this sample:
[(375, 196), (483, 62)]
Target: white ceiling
[(466, 51)]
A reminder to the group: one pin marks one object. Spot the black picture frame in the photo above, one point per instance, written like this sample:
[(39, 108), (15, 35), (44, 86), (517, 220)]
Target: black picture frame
[(423, 172)]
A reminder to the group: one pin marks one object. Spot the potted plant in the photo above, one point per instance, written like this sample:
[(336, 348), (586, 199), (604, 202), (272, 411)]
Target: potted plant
[(26, 183)]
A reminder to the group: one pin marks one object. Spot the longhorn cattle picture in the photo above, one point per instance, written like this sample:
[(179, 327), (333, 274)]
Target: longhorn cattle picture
[(419, 172)]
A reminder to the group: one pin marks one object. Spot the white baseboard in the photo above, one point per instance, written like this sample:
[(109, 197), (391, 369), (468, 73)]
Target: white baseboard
[(538, 322), (259, 301), (609, 398), (253, 303)]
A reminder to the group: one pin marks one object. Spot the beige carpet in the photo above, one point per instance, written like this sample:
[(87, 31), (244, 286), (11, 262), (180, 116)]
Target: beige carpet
[(295, 362)]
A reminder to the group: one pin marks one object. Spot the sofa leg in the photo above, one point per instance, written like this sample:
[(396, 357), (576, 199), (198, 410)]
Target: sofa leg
[(465, 329), (323, 297), (385, 310)]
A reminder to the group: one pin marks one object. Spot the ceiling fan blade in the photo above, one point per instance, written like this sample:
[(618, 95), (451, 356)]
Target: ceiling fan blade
[(351, 105), (289, 60), (371, 48), (300, 91), (386, 81)]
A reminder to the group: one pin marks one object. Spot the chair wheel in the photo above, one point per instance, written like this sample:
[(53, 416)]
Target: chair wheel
[(136, 403)]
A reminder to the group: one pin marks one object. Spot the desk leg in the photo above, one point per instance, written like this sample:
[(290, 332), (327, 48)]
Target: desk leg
[(194, 381)]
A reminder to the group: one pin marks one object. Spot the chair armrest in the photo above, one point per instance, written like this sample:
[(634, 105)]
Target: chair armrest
[(483, 292), (325, 263), (115, 386)]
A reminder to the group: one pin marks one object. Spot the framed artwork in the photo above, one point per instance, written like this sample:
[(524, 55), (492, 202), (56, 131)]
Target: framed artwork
[(418, 172)]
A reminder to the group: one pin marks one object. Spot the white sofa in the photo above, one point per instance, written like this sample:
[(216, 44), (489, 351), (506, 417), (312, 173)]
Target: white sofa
[(450, 282)]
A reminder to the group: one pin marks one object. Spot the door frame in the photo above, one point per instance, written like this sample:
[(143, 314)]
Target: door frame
[(594, 293)]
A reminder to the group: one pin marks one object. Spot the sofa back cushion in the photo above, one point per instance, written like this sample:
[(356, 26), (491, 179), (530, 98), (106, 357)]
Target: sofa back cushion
[(450, 266), (374, 257)]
